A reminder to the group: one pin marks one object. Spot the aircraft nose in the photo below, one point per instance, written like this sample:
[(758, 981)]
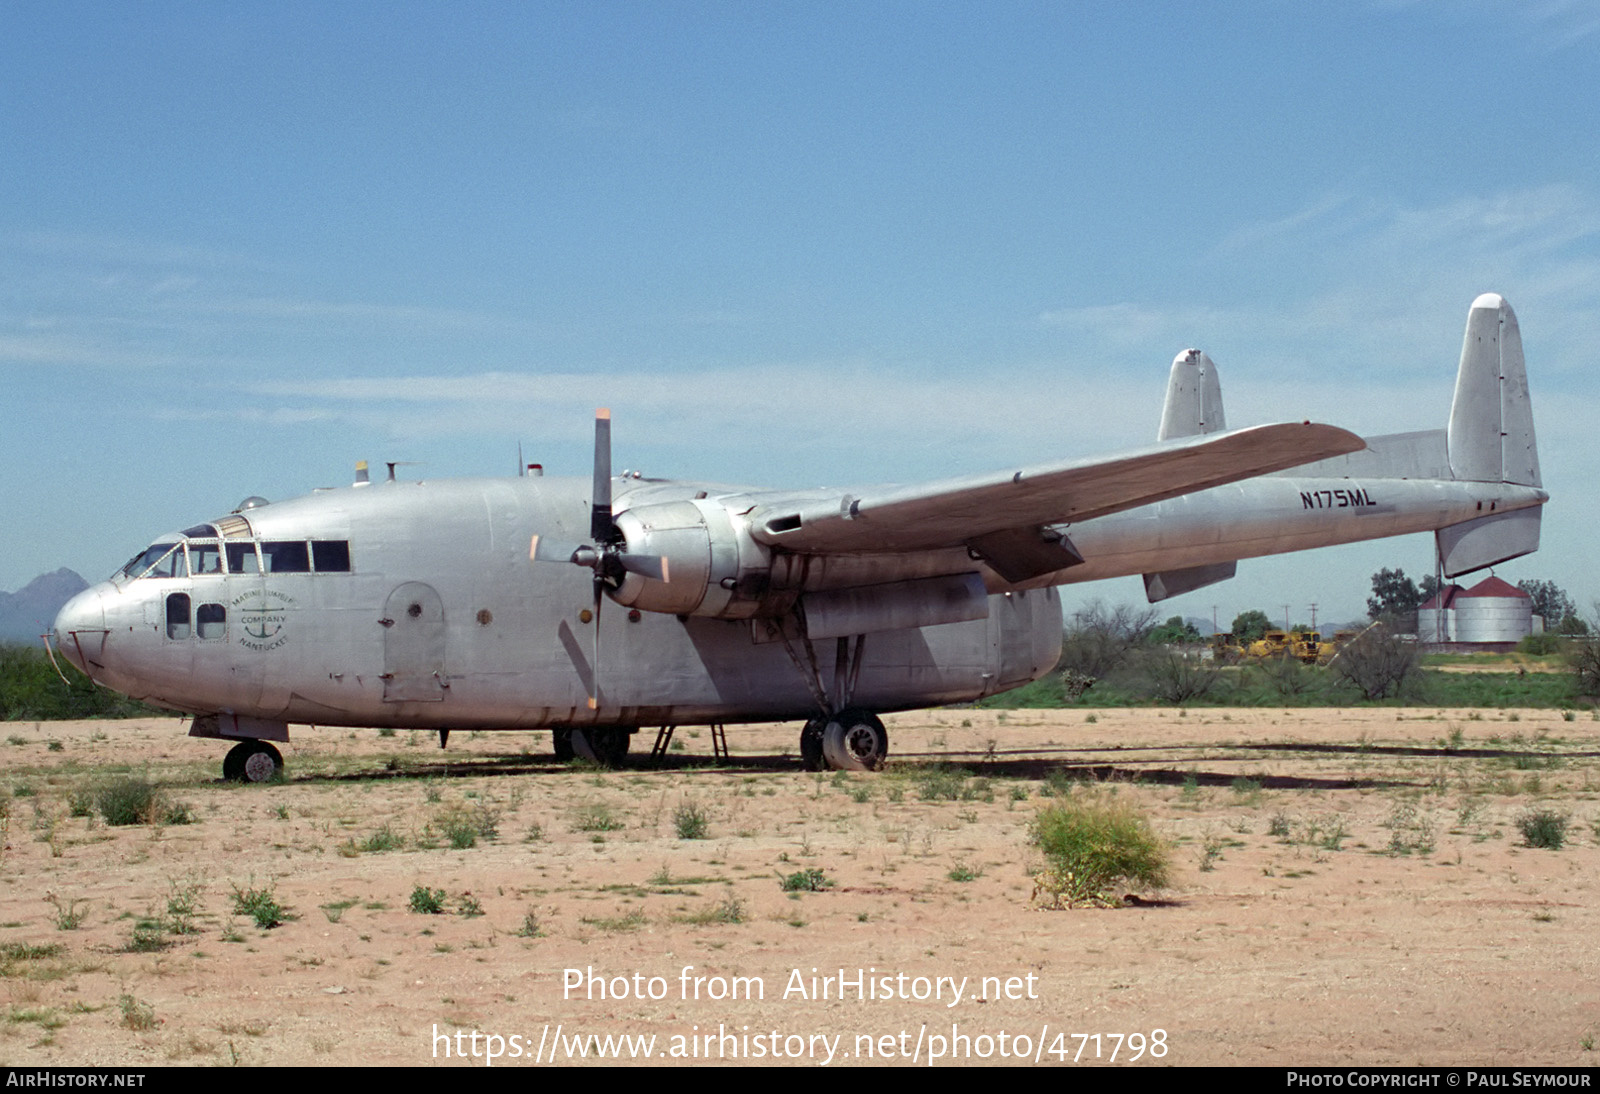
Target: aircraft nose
[(81, 627)]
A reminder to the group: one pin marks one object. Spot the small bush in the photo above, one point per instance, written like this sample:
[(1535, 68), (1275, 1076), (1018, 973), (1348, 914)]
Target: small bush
[(136, 1014), (149, 936), (1543, 828), (184, 903), (691, 822), (261, 905), (1091, 844), (805, 881), (69, 916), (730, 909), (384, 839), (596, 818), (426, 901), (464, 825), (128, 800)]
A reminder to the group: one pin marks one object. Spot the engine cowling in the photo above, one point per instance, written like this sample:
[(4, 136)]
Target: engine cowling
[(713, 566)]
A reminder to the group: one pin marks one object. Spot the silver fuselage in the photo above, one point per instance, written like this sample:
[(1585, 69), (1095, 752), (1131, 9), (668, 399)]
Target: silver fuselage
[(442, 621)]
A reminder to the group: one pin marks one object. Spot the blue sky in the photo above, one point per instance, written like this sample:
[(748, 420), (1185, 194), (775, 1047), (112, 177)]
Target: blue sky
[(244, 245)]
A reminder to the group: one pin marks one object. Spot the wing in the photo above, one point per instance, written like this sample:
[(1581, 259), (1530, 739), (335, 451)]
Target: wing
[(1002, 516)]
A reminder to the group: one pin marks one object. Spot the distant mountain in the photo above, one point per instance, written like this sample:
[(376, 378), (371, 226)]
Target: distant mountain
[(31, 610)]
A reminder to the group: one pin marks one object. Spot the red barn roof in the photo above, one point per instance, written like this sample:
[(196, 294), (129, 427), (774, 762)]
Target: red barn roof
[(1493, 586)]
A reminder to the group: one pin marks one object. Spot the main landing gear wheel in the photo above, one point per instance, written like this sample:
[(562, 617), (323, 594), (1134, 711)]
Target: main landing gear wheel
[(563, 744), (811, 757), (855, 740), (607, 747), (252, 762)]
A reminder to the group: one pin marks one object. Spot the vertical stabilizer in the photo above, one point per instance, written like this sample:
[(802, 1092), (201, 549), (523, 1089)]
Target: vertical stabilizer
[(1490, 439), (1194, 398), (1491, 419)]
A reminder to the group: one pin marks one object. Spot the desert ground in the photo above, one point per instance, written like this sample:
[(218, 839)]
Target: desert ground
[(1348, 887)]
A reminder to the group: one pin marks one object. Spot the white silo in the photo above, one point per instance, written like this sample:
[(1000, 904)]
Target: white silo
[(1493, 611), (1436, 619)]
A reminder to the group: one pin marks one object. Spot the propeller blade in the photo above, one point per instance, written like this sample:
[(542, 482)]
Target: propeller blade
[(600, 524), (594, 661), (645, 565)]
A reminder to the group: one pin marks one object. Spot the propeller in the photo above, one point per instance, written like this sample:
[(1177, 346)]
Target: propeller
[(606, 553)]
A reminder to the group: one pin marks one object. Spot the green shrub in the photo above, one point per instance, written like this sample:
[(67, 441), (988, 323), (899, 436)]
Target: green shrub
[(384, 839), (127, 800), (1543, 828), (690, 821), (261, 905), (1093, 843), (805, 881), (463, 825), (426, 901)]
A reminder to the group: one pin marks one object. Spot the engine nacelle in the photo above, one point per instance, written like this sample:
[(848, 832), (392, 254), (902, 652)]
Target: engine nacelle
[(714, 567)]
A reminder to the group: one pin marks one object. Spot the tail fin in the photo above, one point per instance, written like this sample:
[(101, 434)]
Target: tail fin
[(1490, 439), (1491, 418), (1193, 407), (1194, 398)]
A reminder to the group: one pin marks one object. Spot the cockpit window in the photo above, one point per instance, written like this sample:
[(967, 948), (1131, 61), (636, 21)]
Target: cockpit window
[(204, 558), (157, 560), (242, 558), (285, 558)]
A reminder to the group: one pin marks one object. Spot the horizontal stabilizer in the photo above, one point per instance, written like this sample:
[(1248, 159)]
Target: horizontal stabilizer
[(1177, 582), (1488, 541)]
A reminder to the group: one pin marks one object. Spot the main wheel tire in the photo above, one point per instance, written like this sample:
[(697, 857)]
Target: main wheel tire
[(811, 757), (606, 747), (252, 762), (855, 740), (562, 738)]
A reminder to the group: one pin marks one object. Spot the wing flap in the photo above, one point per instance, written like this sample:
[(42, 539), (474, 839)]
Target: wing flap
[(955, 511)]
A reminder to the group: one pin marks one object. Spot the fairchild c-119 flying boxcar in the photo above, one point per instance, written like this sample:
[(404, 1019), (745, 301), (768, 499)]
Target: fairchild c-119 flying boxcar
[(477, 603)]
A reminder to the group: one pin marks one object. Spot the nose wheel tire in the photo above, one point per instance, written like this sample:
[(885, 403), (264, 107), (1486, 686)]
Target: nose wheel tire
[(252, 762), (606, 747), (855, 740)]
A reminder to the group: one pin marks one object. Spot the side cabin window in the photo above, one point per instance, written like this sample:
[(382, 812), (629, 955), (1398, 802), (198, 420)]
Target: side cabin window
[(178, 615), (285, 557), (330, 556), (211, 621)]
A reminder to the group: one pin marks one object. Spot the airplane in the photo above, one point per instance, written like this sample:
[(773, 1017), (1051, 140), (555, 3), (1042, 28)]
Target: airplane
[(592, 608)]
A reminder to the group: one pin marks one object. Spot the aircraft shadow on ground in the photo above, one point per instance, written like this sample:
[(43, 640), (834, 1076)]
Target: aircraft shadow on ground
[(1075, 764)]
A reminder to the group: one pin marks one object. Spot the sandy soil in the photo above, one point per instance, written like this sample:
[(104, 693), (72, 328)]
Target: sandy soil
[(1364, 897)]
